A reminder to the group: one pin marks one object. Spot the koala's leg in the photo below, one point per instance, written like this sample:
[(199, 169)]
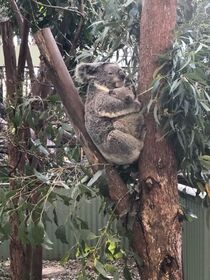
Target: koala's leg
[(121, 148), (132, 124)]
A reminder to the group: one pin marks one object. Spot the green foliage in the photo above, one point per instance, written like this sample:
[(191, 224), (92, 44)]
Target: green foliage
[(5, 12), (181, 93), (116, 35), (103, 30), (61, 234), (89, 31)]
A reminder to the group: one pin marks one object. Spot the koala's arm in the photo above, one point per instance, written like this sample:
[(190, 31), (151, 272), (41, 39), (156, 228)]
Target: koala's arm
[(111, 107)]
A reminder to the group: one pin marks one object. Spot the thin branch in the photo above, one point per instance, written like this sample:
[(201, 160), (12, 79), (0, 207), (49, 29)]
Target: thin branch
[(20, 20), (74, 10), (17, 13), (79, 28), (9, 58), (23, 51)]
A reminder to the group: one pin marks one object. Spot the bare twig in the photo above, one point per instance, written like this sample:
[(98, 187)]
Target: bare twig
[(75, 10), (79, 28), (23, 51)]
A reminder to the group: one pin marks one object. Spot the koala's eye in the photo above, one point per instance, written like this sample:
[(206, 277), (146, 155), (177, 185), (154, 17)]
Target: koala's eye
[(110, 73)]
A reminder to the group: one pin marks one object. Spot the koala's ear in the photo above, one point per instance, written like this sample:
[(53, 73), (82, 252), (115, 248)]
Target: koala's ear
[(85, 71)]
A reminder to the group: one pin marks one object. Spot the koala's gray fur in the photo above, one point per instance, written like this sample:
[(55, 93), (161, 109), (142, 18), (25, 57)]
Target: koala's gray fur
[(112, 114)]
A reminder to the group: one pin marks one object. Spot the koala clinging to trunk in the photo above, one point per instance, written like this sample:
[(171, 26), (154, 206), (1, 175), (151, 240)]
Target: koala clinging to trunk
[(112, 114)]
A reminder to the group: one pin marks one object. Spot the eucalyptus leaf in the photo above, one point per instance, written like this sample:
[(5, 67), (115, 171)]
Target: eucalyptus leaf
[(22, 232), (127, 274), (47, 244), (101, 269), (205, 106), (60, 234), (43, 150), (67, 127), (43, 178), (128, 2), (155, 112), (86, 234), (36, 232), (55, 217), (96, 177), (66, 199)]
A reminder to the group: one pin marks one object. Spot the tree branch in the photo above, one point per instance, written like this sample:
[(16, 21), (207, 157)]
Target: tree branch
[(20, 20), (79, 28), (62, 81), (23, 52), (74, 10), (10, 59)]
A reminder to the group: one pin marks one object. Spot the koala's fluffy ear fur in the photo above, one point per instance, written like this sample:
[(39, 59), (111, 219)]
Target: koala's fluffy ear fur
[(85, 71)]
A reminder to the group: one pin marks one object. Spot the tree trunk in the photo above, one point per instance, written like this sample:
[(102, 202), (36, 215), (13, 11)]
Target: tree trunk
[(15, 158), (157, 232), (22, 257), (36, 263), (42, 88)]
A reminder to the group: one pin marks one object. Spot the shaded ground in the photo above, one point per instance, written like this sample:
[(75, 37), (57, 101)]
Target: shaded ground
[(52, 270)]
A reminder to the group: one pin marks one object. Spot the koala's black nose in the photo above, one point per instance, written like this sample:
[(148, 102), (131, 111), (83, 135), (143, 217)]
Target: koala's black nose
[(121, 75)]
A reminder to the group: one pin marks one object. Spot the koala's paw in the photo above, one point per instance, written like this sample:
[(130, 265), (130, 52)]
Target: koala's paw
[(137, 105)]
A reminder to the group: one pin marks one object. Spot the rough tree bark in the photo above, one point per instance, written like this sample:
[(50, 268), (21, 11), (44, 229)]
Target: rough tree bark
[(159, 230)]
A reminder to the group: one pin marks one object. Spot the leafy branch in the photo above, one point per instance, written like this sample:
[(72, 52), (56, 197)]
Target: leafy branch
[(181, 100)]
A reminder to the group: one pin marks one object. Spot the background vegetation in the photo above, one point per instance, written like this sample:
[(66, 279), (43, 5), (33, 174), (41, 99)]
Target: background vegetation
[(103, 31)]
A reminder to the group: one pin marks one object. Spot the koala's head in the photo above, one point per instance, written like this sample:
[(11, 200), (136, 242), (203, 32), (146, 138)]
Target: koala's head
[(108, 74), (123, 93)]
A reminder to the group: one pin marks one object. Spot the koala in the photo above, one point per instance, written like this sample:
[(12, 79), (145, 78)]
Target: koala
[(113, 117)]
